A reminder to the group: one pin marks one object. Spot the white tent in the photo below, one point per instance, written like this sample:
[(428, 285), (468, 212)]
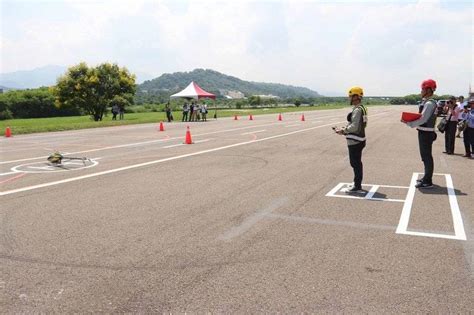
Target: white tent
[(193, 91)]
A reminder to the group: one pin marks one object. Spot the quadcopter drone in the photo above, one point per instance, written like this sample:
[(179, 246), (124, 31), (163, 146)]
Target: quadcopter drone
[(56, 159)]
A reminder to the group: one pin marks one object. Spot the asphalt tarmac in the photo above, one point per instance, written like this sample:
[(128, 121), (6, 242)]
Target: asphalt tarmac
[(252, 217)]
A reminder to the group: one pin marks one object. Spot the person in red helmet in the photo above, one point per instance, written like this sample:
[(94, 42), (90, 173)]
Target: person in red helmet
[(426, 131)]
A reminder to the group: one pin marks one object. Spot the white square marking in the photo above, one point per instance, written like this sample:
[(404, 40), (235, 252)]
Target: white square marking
[(459, 233)]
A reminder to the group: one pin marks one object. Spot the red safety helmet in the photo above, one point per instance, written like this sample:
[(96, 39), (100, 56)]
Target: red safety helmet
[(428, 84)]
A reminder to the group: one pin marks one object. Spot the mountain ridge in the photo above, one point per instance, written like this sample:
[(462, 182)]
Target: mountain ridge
[(217, 83)]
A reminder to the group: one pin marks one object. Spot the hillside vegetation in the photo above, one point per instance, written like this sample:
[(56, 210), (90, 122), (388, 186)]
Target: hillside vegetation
[(159, 89)]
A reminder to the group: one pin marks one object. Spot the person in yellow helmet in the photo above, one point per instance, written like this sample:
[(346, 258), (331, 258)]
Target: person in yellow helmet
[(355, 136)]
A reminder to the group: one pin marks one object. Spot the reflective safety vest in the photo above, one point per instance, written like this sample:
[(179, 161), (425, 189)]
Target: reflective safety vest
[(365, 117), (430, 124), (359, 135)]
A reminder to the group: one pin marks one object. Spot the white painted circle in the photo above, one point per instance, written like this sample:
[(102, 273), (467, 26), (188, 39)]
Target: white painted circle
[(45, 167)]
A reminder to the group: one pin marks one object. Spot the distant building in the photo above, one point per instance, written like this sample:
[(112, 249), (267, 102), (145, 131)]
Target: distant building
[(236, 94), (232, 94), (267, 96)]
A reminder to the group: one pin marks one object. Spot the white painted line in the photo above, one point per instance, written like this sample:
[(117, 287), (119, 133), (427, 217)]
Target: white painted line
[(252, 132), (405, 216), (181, 144), (174, 145), (160, 140), (333, 191), (455, 211), (387, 199), (459, 232), (338, 187), (201, 141), (88, 151), (252, 220), (42, 167), (372, 191), (86, 132), (73, 163), (138, 143), (390, 186), (72, 179), (30, 168), (9, 173), (363, 198), (434, 235)]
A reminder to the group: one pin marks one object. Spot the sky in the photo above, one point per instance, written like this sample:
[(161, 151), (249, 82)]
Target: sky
[(387, 47)]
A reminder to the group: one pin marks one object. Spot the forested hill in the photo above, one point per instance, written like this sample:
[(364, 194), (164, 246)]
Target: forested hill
[(217, 83)]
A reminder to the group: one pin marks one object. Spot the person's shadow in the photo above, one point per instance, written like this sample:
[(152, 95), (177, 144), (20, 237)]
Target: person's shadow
[(378, 195), (440, 190)]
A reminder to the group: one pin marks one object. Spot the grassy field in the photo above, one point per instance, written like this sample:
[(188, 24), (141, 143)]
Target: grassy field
[(24, 126)]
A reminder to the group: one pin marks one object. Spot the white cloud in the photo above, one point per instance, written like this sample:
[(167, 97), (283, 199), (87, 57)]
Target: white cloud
[(386, 47)]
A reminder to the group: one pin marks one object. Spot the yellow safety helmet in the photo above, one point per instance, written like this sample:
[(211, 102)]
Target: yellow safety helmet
[(356, 90)]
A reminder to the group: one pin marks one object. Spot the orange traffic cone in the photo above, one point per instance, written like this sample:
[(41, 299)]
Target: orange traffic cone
[(250, 117), (302, 117), (8, 132), (161, 127), (279, 117), (188, 137), (235, 117)]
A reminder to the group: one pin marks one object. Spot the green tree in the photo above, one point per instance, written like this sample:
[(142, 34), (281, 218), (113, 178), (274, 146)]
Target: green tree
[(255, 100), (32, 103), (94, 89), (397, 101), (444, 97)]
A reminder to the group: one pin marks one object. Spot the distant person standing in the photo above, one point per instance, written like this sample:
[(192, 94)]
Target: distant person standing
[(168, 112), (121, 111), (452, 113), (185, 112), (191, 112), (426, 131), (204, 112), (355, 135), (115, 111), (461, 122), (468, 116), (197, 111)]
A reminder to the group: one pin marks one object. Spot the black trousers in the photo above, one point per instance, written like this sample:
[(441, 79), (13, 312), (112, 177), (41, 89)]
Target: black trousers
[(450, 136), (355, 157), (425, 142), (185, 116), (469, 140)]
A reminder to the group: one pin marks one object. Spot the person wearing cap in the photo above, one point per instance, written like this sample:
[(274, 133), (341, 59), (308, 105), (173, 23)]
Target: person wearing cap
[(468, 117), (452, 111), (426, 131), (355, 136)]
